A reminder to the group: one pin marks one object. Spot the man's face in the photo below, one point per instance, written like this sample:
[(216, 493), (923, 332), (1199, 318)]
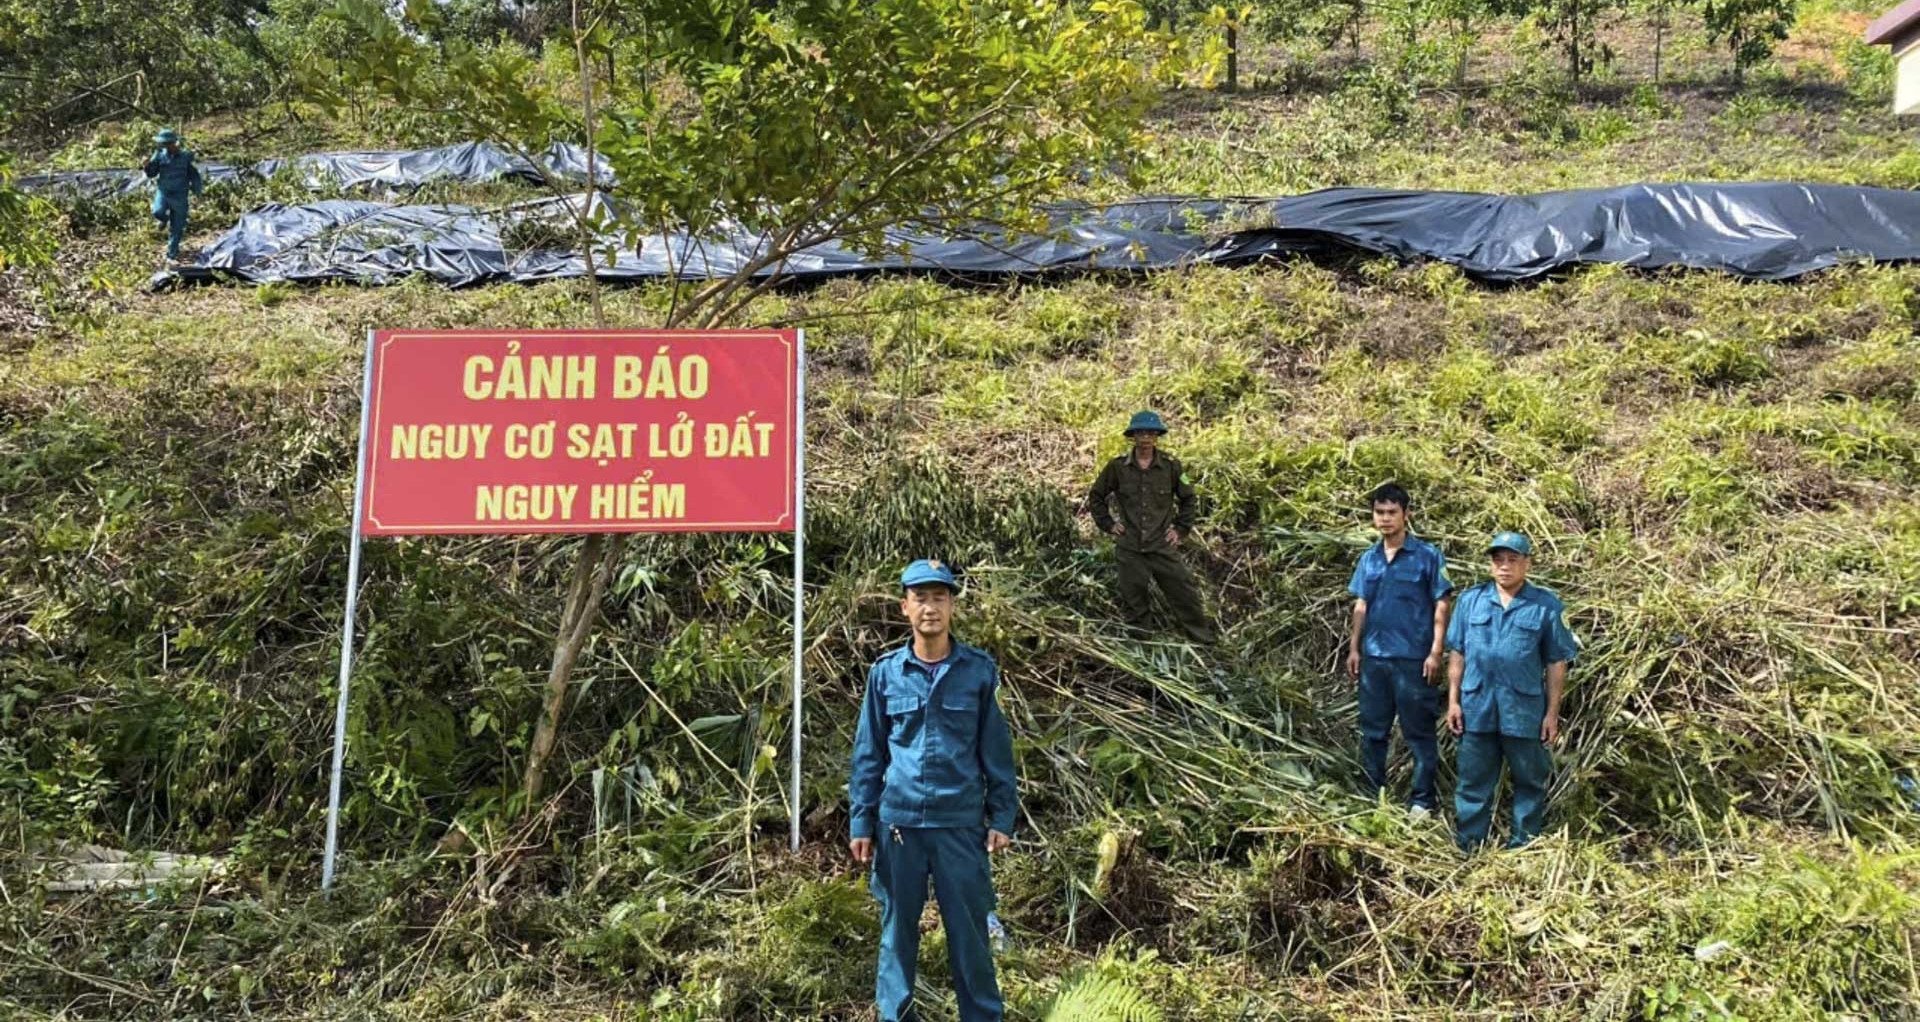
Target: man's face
[(1510, 569), (929, 609), (172, 148), (1144, 441), (1389, 519)]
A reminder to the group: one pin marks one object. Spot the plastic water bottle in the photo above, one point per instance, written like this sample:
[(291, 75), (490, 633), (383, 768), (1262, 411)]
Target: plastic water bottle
[(997, 934)]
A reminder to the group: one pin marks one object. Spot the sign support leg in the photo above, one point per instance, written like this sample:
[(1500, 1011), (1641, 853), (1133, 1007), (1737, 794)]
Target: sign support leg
[(346, 631), (799, 568)]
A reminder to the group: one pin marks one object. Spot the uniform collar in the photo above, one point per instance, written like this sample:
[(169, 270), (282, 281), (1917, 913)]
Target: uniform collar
[(1413, 540), (1525, 595), (905, 655)]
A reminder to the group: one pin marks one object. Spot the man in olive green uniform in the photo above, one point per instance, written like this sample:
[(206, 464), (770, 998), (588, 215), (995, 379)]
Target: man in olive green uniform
[(1157, 507)]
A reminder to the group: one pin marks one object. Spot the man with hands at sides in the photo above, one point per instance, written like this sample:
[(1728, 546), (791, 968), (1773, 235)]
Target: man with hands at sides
[(1400, 595), (1508, 648), (932, 794)]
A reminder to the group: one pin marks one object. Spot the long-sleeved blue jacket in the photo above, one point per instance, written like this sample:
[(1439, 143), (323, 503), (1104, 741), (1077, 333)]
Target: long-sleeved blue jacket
[(174, 175), (932, 748)]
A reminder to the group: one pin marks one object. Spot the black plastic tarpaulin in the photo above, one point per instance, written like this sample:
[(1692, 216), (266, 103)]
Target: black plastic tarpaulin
[(1765, 231), (391, 170)]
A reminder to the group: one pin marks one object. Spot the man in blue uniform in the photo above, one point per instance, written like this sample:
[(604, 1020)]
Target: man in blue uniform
[(173, 174), (1508, 648), (1157, 509), (1400, 595), (932, 794)]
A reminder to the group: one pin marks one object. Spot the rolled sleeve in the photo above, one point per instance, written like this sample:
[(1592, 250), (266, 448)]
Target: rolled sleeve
[(1442, 585), (1559, 645), (868, 774), (1457, 628), (997, 765)]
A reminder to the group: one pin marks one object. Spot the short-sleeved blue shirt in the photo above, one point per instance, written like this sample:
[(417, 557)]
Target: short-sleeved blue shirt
[(1507, 649), (1400, 595)]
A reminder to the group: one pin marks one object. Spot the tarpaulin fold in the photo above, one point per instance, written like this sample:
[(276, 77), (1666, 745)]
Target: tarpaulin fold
[(1767, 231)]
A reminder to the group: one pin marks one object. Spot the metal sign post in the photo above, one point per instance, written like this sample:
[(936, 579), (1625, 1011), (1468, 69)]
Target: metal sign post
[(346, 632), (799, 566)]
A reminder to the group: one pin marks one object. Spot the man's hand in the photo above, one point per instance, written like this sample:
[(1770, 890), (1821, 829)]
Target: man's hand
[(1456, 720), (862, 849), (1173, 537), (997, 842), (1432, 668), (1353, 664), (1117, 531), (1550, 728)]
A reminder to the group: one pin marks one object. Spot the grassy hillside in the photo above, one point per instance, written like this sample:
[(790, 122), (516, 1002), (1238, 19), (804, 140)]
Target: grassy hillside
[(1722, 477)]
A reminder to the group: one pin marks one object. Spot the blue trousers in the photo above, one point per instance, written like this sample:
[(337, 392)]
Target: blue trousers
[(1390, 688), (955, 859), (1529, 766), (171, 210)]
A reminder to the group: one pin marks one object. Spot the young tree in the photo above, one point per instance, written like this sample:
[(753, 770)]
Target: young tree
[(1749, 28), (801, 121), (64, 63), (1573, 24)]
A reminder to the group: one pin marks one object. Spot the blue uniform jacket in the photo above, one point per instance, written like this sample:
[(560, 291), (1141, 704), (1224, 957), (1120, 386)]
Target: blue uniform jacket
[(932, 753), (173, 175), (1401, 595), (1508, 649)]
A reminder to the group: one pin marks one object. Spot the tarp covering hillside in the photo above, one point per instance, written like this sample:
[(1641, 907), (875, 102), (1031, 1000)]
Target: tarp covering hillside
[(1763, 230)]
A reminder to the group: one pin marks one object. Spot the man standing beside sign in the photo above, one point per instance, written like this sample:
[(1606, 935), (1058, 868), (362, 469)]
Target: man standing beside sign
[(932, 794)]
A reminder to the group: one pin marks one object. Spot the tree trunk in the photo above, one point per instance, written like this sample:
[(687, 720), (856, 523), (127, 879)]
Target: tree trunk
[(1659, 38), (591, 572), (1573, 41), (597, 556), (1233, 58)]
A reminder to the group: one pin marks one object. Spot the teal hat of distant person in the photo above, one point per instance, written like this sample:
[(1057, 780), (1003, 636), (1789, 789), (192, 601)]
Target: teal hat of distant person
[(1146, 422), (166, 135), (1514, 541), (928, 573)]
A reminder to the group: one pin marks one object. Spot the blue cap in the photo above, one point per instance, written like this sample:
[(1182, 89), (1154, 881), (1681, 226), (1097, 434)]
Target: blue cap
[(1514, 541), (1145, 422), (166, 135), (928, 573)]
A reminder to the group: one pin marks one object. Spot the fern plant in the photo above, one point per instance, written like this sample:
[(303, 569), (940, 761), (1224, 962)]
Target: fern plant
[(1095, 996)]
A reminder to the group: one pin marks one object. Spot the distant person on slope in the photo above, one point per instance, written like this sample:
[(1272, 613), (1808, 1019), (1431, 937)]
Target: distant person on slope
[(1508, 649), (1157, 507), (933, 793), (1396, 646), (173, 174)]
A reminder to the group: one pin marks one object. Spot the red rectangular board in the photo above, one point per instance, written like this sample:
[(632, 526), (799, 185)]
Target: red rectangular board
[(525, 431)]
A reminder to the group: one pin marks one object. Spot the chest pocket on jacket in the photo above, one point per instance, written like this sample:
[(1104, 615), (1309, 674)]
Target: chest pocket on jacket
[(905, 715), (960, 714), (1523, 630)]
